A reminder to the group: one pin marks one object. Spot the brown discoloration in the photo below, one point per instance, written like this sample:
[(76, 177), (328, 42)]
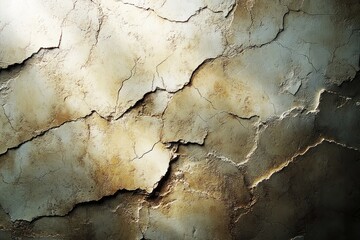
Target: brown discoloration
[(220, 89), (112, 176), (62, 116)]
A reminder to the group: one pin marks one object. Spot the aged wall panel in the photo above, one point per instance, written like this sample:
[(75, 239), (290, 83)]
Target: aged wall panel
[(194, 119)]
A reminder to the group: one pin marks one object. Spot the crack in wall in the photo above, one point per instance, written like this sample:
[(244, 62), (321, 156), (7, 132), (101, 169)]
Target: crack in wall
[(268, 175), (237, 130), (41, 50), (187, 19)]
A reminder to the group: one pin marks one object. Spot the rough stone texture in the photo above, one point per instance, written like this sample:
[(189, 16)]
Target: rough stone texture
[(194, 119)]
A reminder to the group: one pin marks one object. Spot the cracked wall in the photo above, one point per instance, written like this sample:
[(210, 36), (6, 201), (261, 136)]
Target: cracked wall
[(194, 119)]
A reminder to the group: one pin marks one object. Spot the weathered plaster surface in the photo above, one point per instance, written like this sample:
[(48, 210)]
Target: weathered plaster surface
[(195, 119)]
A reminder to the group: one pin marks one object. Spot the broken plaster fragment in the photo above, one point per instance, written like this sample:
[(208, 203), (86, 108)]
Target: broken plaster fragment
[(79, 162), (28, 26)]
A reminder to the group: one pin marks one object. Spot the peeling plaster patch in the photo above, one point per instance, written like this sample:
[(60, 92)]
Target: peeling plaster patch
[(45, 93), (82, 161), (154, 104), (28, 26)]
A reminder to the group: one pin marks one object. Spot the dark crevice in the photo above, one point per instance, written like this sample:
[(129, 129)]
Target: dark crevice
[(189, 142), (155, 195), (136, 105), (15, 66), (144, 238), (91, 203), (198, 69)]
